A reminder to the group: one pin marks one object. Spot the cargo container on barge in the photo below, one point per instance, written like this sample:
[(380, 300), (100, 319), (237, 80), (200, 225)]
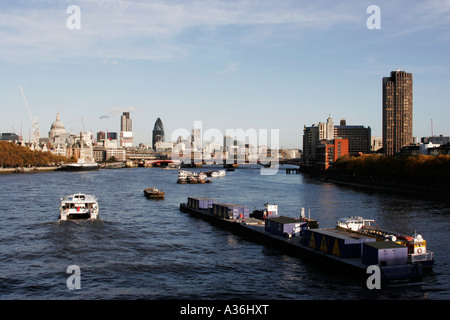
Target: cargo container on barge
[(341, 249)]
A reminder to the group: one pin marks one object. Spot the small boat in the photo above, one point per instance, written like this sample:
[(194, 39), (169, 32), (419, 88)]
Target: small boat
[(192, 179), (154, 193), (202, 177), (78, 206), (208, 173), (172, 166), (182, 176), (216, 174), (417, 247)]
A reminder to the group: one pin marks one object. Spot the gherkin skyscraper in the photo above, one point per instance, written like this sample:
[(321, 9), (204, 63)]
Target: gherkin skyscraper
[(158, 133)]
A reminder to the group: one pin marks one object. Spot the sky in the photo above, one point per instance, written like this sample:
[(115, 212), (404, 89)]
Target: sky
[(274, 65)]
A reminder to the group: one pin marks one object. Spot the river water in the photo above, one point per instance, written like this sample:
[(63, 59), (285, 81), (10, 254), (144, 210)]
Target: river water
[(148, 249)]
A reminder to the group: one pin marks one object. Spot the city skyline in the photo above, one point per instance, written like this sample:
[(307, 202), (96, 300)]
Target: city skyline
[(239, 64)]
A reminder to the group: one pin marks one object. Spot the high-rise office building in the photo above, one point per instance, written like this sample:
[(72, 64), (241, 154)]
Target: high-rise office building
[(397, 111), (358, 136), (126, 130), (158, 133)]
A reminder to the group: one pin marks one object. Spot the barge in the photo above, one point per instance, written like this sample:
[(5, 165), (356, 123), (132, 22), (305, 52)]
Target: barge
[(301, 237)]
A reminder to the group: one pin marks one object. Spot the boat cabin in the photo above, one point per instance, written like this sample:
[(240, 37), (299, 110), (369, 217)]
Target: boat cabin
[(354, 223)]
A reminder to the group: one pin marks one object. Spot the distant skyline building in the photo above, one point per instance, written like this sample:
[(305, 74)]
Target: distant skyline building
[(9, 136), (158, 133), (101, 136), (126, 130), (397, 111), (196, 139)]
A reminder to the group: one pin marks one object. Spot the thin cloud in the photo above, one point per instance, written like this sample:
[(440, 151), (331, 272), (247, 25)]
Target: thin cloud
[(232, 67), (114, 30), (116, 111)]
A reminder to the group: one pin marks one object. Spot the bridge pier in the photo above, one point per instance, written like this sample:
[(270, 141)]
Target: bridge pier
[(292, 171)]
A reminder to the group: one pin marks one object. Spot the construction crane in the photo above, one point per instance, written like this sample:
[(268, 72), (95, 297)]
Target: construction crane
[(34, 122)]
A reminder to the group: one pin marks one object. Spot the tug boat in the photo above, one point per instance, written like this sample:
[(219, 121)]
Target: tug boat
[(417, 246), (78, 206), (154, 193)]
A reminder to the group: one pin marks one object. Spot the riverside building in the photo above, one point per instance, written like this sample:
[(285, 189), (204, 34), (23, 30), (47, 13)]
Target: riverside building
[(397, 111)]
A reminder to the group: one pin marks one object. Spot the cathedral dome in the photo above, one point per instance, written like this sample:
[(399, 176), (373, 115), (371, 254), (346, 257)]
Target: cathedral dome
[(57, 127)]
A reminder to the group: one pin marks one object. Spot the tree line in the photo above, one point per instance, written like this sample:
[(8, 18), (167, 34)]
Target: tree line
[(414, 169), (12, 156)]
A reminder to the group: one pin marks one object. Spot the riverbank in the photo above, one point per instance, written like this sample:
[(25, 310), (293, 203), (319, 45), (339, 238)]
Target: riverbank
[(427, 177), (109, 165), (422, 191), (28, 170)]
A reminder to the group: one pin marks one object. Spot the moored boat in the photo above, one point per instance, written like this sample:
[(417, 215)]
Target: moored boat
[(219, 173), (78, 206), (154, 193), (192, 179), (81, 165), (202, 177), (182, 176)]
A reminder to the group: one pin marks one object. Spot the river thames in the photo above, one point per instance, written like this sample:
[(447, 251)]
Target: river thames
[(148, 249)]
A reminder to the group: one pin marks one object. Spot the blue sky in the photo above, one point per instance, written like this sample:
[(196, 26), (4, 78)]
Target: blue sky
[(255, 64)]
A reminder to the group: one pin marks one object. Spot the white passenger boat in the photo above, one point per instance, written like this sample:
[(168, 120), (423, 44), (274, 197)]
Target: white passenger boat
[(78, 206), (81, 165)]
